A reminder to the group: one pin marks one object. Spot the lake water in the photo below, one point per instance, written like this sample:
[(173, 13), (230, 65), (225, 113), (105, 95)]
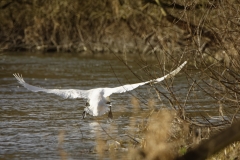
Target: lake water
[(31, 124)]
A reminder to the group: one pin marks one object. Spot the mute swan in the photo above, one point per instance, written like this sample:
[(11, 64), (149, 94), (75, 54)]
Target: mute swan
[(98, 98)]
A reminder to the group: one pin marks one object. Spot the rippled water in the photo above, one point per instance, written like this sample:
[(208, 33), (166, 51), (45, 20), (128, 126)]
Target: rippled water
[(30, 123)]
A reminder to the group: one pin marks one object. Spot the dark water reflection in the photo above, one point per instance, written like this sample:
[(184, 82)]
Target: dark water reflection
[(30, 123)]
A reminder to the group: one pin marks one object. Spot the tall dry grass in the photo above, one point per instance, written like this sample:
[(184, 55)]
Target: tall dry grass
[(199, 28), (71, 26)]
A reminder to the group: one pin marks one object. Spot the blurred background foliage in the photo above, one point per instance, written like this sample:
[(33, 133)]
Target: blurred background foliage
[(122, 26)]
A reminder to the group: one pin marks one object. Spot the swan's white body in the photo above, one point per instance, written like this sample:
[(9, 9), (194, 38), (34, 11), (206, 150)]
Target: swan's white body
[(98, 97)]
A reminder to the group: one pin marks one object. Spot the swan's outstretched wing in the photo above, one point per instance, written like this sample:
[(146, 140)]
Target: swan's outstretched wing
[(129, 87), (65, 93)]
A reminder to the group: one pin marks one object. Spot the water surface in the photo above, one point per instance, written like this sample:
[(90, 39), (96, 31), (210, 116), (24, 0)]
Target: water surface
[(31, 123)]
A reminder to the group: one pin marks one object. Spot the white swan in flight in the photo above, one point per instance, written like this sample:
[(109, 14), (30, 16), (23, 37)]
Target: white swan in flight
[(98, 98)]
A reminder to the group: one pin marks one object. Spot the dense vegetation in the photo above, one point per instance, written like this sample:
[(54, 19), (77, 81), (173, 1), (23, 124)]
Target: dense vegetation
[(121, 26), (204, 32)]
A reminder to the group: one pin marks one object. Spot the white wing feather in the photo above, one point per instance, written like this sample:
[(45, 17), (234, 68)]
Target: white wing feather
[(74, 93), (129, 87), (65, 93)]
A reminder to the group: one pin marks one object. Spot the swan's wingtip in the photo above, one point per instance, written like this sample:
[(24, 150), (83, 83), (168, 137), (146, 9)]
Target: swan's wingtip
[(17, 75), (183, 64)]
